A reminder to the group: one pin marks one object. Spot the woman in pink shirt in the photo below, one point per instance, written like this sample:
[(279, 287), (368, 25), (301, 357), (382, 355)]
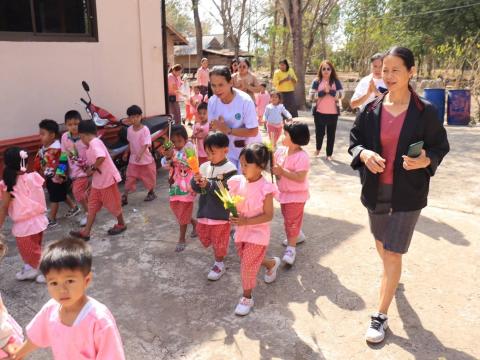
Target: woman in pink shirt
[(326, 90), (255, 211), (141, 165), (74, 325), (105, 179), (203, 76), (174, 92), (291, 168), (24, 200)]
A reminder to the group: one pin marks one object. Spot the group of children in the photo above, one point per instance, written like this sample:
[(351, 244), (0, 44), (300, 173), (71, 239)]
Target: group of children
[(65, 265)]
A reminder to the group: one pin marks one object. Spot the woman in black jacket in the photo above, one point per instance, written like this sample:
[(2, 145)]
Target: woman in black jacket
[(394, 185)]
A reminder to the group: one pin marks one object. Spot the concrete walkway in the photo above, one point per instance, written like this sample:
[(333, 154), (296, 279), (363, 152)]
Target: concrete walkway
[(318, 309)]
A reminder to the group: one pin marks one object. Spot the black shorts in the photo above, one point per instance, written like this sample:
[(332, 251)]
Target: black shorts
[(57, 192)]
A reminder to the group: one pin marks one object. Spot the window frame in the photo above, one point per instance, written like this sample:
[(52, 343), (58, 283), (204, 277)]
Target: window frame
[(55, 37)]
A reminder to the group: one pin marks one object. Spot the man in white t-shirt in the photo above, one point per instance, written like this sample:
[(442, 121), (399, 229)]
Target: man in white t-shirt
[(371, 85)]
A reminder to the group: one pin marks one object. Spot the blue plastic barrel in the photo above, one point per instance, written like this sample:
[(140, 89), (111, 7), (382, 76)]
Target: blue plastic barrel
[(458, 107), (437, 98)]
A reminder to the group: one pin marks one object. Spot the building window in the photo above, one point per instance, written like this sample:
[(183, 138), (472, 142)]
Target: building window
[(48, 20)]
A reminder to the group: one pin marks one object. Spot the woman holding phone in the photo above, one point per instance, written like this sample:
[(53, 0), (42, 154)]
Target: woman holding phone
[(232, 112), (395, 185)]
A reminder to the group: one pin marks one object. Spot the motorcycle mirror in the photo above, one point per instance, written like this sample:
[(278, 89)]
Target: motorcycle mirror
[(85, 86)]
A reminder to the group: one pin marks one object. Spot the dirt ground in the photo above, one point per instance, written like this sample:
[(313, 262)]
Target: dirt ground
[(317, 309)]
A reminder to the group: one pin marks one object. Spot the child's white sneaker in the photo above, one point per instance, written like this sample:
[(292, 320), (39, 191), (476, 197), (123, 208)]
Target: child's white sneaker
[(41, 279), (27, 273), (244, 306), (301, 239), (289, 255), (83, 220), (271, 278), (216, 272), (376, 331)]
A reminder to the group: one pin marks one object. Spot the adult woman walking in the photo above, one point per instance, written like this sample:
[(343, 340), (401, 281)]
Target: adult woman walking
[(284, 81), (245, 80), (326, 91), (232, 112), (394, 185), (174, 92)]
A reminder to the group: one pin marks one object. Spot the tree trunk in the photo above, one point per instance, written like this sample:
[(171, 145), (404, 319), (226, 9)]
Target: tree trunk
[(286, 37), (273, 47), (198, 31), (324, 44)]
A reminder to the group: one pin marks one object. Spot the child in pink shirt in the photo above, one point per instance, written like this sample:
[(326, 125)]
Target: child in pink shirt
[(141, 165), (24, 200), (11, 335), (75, 150), (180, 176), (105, 176), (291, 168), (74, 325), (195, 100), (200, 131), (262, 100), (253, 224)]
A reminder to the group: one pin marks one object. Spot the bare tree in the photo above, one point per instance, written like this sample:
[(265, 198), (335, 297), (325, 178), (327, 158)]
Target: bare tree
[(198, 31)]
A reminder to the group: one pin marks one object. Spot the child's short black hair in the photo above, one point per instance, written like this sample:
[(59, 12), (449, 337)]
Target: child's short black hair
[(202, 106), (257, 154), (68, 253), (50, 125), (299, 132), (216, 139), (134, 110), (179, 130), (72, 115), (87, 127)]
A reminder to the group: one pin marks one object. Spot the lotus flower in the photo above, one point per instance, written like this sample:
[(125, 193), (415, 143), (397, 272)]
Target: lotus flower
[(229, 202)]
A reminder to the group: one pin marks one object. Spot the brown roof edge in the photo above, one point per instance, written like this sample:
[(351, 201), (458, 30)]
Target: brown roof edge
[(182, 40)]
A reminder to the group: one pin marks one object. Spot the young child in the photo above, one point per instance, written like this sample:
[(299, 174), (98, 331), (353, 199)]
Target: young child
[(72, 324), (141, 165), (24, 201), (213, 227), (75, 150), (52, 166), (181, 193), (274, 115), (105, 176), (253, 224), (200, 131), (291, 168), (262, 100), (195, 100), (189, 109), (11, 335)]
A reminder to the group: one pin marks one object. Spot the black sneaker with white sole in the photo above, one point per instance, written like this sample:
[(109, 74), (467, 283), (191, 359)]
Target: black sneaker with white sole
[(376, 332)]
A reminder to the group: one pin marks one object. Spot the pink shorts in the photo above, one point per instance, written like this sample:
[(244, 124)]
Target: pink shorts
[(147, 174), (109, 198), (292, 218), (30, 249), (216, 235), (251, 258), (183, 211), (80, 188)]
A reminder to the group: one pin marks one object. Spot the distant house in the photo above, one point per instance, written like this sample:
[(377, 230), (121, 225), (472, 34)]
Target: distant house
[(213, 49), (174, 39)]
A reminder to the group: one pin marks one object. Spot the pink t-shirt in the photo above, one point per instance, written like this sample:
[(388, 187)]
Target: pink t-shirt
[(201, 132), (327, 104), (203, 76), (390, 129), (137, 140), (292, 191), (253, 194), (76, 151), (94, 335), (108, 174), (262, 100), (198, 99), (28, 207)]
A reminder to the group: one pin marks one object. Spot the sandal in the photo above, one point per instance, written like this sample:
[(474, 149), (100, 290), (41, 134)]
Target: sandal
[(117, 229), (79, 235), (150, 196), (124, 200), (180, 247)]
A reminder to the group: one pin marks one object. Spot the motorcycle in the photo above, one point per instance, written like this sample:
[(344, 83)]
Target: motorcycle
[(157, 125)]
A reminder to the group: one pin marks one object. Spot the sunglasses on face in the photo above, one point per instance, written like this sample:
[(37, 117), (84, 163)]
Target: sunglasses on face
[(326, 69)]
